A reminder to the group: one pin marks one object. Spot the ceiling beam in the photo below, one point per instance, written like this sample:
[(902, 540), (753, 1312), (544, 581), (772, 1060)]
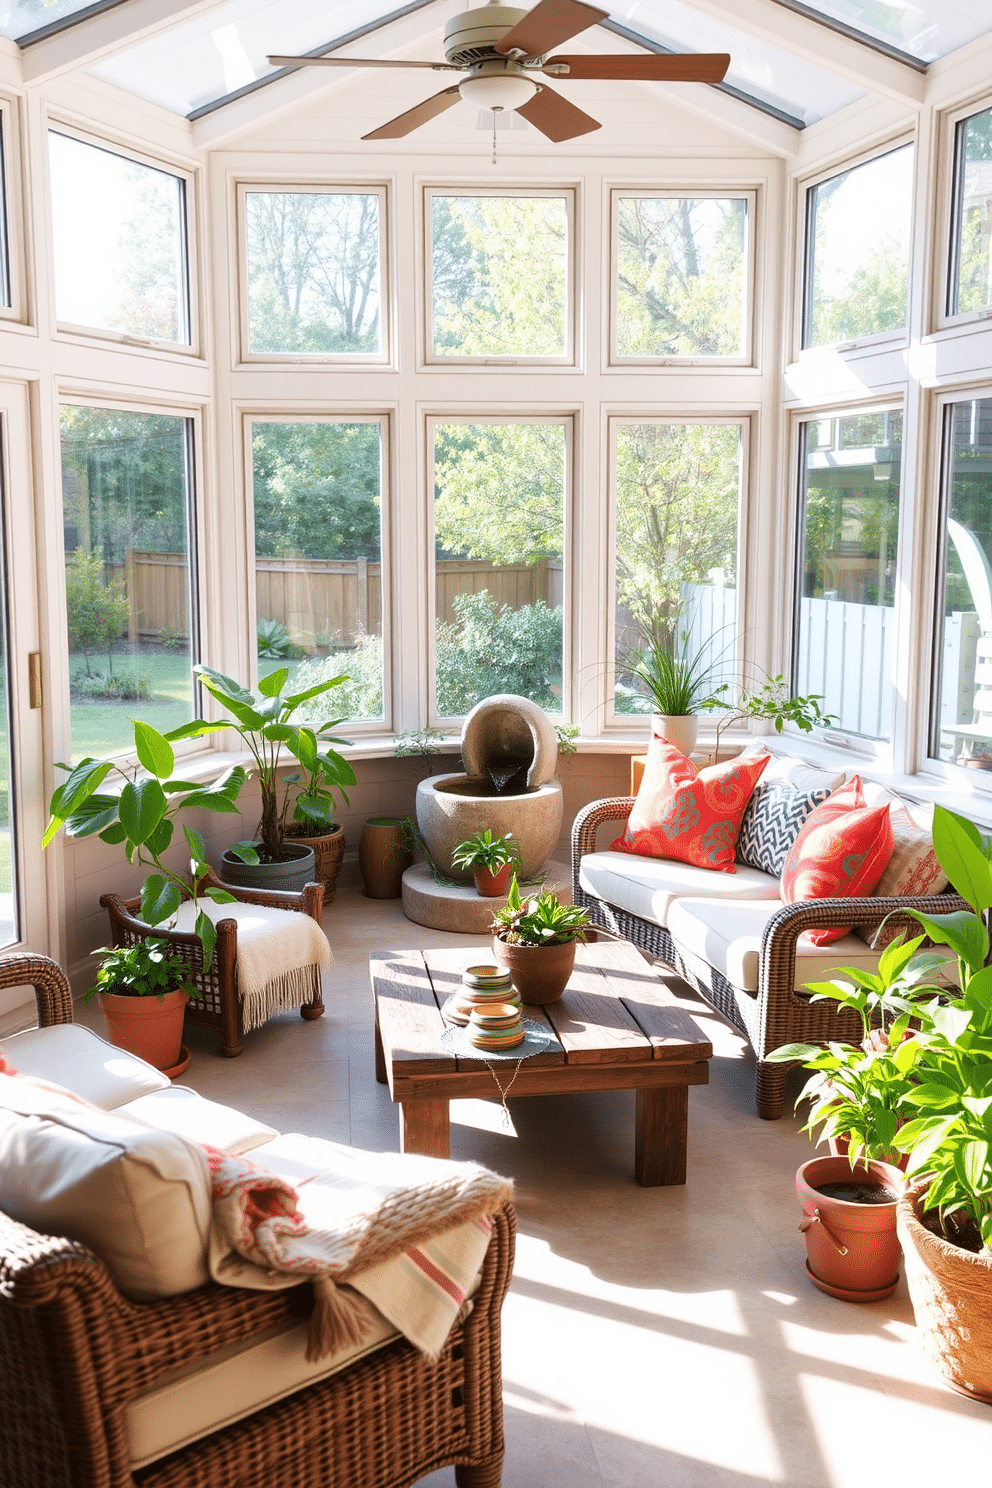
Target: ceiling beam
[(105, 31), (822, 46)]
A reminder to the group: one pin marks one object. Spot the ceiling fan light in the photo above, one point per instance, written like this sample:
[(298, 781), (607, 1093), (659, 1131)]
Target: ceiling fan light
[(498, 91)]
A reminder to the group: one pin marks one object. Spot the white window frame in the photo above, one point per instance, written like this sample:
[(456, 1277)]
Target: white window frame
[(258, 413), (899, 336), (742, 421), (12, 215), (307, 360), (872, 749), (686, 193), (567, 418), (188, 176), (569, 193), (947, 225), (193, 416)]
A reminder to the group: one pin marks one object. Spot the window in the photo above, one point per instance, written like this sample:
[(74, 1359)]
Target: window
[(499, 533), (849, 520), (314, 272), (317, 490), (500, 276), (857, 250), (119, 231), (971, 265), (9, 931), (678, 488), (126, 503), (680, 277), (6, 291), (962, 703)]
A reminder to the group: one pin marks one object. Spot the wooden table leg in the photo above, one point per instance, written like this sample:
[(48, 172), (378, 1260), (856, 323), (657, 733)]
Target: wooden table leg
[(424, 1128), (660, 1135), (380, 1058)]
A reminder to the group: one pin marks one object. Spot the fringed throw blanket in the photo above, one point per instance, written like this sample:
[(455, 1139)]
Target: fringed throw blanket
[(343, 1224), (280, 955)]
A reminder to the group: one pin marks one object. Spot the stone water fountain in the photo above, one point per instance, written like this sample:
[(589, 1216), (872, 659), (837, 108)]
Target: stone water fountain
[(510, 753)]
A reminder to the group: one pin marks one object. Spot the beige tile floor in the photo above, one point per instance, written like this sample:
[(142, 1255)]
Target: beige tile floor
[(651, 1336)]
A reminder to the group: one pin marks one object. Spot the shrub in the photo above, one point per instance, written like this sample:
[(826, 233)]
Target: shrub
[(126, 686), (97, 613), (359, 697), (489, 649)]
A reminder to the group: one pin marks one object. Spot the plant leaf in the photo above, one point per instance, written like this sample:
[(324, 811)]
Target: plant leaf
[(963, 932), (142, 807), (155, 753), (95, 814), (274, 683), (207, 932), (160, 898), (195, 843), (962, 858)]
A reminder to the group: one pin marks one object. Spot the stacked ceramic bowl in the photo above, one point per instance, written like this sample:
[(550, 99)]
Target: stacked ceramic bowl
[(488, 1007)]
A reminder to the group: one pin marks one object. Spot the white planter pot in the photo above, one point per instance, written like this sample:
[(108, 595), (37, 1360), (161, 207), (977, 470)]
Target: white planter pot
[(679, 729)]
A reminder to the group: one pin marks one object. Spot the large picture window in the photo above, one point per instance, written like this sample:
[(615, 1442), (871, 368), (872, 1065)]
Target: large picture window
[(857, 250), (314, 265), (680, 277), (500, 276), (499, 534), (119, 231), (317, 490), (126, 501), (678, 490), (849, 521), (971, 261), (962, 702)]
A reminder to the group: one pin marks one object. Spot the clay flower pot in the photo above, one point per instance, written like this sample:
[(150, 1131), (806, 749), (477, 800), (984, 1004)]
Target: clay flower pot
[(539, 973), (492, 885), (382, 857), (328, 850), (852, 1250), (144, 1026)]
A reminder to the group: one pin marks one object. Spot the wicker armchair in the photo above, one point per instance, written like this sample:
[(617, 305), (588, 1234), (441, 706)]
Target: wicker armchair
[(74, 1352), (777, 1014), (220, 1005)]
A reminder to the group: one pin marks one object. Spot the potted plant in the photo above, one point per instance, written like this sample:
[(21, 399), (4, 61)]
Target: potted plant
[(535, 940), (772, 700), (676, 679), (263, 720), (140, 816), (490, 860), (384, 855), (143, 991)]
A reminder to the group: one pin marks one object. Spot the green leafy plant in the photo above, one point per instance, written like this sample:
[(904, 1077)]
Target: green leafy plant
[(144, 969), (97, 613), (171, 640), (141, 817), (539, 921), (486, 851), (771, 700), (676, 678), (566, 734), (424, 744), (128, 686), (272, 639), (264, 722)]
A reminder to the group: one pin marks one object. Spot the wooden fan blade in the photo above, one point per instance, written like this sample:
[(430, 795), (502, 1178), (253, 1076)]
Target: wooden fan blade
[(549, 24), (682, 67), (357, 62), (555, 117), (413, 118)]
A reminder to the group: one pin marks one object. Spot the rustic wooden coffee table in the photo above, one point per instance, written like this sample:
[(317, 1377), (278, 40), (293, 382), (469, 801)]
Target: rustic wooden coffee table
[(616, 1028)]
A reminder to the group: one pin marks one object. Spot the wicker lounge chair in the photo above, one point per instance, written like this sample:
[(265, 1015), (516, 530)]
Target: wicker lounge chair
[(74, 1351)]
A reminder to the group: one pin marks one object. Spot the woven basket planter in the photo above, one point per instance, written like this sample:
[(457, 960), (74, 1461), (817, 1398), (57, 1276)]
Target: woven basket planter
[(951, 1290), (328, 852)]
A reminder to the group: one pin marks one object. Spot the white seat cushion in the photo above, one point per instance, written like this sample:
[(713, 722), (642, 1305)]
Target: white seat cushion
[(649, 886), (79, 1059), (189, 1114), (792, 769)]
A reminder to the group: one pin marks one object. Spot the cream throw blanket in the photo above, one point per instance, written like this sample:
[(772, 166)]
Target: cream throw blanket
[(280, 953)]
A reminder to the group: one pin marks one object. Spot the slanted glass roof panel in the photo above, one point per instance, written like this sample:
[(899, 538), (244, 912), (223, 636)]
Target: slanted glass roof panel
[(927, 30), (776, 77), (21, 17), (225, 48)]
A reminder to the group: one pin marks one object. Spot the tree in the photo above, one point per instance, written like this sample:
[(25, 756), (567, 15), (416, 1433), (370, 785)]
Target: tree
[(98, 613), (499, 491), (975, 252), (316, 490)]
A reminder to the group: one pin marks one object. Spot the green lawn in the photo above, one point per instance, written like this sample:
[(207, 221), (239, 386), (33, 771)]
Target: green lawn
[(100, 726)]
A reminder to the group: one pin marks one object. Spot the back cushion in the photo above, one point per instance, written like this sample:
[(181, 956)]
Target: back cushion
[(841, 852), (772, 822), (73, 1056), (913, 868), (140, 1199), (791, 769)]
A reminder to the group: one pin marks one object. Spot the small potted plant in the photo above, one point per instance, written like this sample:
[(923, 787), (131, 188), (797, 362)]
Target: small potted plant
[(535, 940), (264, 721), (677, 681), (491, 860), (143, 991), (772, 700)]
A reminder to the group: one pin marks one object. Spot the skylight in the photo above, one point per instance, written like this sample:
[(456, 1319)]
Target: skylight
[(925, 31)]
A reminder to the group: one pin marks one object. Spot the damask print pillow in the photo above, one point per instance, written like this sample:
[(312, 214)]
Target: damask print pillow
[(841, 852), (688, 815)]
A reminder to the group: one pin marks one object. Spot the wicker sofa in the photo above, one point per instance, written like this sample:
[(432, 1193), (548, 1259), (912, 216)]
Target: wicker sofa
[(732, 939), (76, 1355)]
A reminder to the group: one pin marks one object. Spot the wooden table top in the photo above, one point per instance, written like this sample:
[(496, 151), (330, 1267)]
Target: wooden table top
[(615, 1011)]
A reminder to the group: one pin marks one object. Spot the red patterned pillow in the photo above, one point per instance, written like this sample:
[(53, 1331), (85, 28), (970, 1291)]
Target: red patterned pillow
[(688, 815), (841, 853)]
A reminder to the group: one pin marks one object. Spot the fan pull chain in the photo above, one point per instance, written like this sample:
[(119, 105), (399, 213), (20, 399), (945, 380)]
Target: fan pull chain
[(494, 136)]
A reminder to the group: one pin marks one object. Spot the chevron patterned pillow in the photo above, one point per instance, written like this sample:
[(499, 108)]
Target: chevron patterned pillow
[(772, 822)]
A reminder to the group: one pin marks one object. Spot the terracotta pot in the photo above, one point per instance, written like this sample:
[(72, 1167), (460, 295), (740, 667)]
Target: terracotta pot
[(852, 1250), (493, 885), (293, 872), (382, 857), (144, 1026), (328, 850), (679, 729), (951, 1291), (540, 973)]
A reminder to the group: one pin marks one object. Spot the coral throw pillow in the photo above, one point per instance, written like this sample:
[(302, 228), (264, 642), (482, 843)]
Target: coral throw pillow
[(841, 852), (688, 815)]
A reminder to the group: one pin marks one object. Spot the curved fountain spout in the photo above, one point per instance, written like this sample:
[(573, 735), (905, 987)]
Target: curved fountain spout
[(508, 740)]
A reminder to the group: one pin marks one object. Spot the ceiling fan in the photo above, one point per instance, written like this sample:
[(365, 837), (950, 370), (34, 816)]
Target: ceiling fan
[(504, 52)]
